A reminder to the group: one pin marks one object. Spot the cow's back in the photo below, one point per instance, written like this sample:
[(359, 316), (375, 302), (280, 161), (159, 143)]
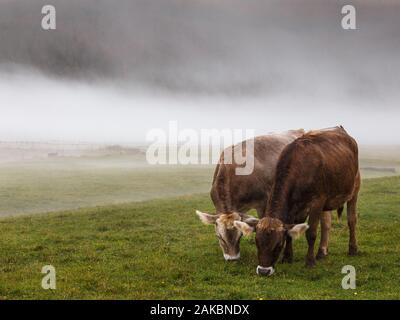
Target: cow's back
[(339, 156), (232, 192), (318, 165)]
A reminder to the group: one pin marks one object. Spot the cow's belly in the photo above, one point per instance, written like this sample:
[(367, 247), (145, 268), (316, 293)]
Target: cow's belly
[(336, 202)]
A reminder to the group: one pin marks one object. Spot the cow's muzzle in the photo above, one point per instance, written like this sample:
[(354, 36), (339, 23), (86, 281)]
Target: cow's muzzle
[(228, 257), (265, 271)]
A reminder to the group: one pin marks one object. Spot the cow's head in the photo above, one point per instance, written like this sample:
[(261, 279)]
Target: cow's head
[(227, 232), (270, 239)]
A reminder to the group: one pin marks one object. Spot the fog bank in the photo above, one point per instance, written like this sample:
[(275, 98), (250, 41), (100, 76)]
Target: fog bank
[(113, 71), (34, 107)]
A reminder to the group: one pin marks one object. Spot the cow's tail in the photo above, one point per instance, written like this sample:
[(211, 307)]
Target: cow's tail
[(339, 212)]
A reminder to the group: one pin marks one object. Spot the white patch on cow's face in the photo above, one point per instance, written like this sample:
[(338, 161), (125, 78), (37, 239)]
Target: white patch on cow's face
[(265, 271), (231, 258)]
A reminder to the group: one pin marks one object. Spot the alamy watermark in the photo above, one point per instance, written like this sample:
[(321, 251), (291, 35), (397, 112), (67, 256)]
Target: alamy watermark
[(349, 280), (49, 18), (49, 280), (349, 21), (190, 146)]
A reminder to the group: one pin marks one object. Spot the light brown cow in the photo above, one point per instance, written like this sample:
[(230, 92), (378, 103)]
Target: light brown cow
[(233, 195)]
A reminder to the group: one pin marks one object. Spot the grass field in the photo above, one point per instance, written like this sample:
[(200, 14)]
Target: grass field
[(64, 183), (159, 250), (78, 182)]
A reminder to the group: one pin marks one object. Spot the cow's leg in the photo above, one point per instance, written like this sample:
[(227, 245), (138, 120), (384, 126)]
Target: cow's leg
[(288, 252), (311, 235), (326, 221), (352, 221)]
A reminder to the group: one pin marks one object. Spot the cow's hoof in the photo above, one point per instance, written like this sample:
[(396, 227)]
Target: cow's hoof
[(321, 254), (353, 251), (310, 263), (287, 259)]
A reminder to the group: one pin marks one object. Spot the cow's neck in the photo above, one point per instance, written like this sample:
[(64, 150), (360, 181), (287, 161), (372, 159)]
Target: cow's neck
[(281, 206), (280, 209)]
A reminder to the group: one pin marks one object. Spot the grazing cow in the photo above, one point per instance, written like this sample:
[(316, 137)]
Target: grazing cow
[(233, 195), (315, 173)]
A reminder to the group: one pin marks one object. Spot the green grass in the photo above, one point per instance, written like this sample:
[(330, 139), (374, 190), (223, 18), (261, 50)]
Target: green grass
[(47, 185), (71, 183), (159, 250)]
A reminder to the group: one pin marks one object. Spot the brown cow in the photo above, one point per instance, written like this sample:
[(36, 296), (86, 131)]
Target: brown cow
[(315, 173), (233, 195)]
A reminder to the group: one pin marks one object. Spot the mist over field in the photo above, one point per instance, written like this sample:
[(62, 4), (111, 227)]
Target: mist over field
[(111, 72)]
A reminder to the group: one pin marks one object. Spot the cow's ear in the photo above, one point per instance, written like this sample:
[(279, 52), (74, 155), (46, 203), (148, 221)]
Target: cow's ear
[(207, 218), (296, 230), (251, 221), (244, 227)]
